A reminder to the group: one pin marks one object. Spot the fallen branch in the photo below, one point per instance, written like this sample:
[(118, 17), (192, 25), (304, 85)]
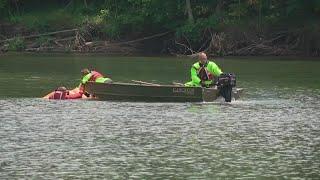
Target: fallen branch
[(186, 47), (38, 35), (66, 39), (136, 40), (39, 48)]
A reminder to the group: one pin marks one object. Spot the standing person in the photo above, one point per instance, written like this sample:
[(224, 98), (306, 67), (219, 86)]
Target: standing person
[(95, 76), (204, 72)]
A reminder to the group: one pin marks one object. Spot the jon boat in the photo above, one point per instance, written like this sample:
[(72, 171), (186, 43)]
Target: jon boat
[(155, 92)]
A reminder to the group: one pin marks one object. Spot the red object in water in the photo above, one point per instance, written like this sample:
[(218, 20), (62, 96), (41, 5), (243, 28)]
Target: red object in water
[(58, 95), (95, 75), (61, 95), (65, 95)]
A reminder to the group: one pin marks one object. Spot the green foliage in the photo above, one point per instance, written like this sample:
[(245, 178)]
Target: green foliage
[(135, 18), (189, 31), (44, 41), (33, 22), (101, 17), (13, 18), (194, 31), (62, 20), (3, 4), (3, 7), (113, 30), (50, 21), (141, 16), (16, 44), (237, 10)]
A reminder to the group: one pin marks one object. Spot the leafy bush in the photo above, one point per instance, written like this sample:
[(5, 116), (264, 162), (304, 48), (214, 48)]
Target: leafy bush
[(44, 22), (61, 18), (194, 32), (16, 44), (3, 4), (34, 23), (43, 41)]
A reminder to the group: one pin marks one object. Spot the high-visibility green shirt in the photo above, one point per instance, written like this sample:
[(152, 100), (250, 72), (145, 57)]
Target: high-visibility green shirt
[(211, 67), (86, 78)]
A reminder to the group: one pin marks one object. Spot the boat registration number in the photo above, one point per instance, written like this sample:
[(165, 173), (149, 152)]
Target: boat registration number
[(189, 91)]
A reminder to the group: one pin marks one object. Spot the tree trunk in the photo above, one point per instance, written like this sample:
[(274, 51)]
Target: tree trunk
[(189, 11), (239, 8), (17, 6), (85, 3), (218, 8)]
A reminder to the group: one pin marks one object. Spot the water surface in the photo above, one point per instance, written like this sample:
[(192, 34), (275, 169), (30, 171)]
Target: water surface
[(271, 132)]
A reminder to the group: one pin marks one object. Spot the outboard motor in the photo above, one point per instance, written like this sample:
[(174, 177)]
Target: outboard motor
[(225, 83)]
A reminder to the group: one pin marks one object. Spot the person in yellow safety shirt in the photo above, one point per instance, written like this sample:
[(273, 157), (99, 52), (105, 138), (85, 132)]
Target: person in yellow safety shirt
[(95, 76), (203, 72)]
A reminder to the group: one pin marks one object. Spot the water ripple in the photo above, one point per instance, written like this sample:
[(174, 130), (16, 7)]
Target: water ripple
[(274, 137)]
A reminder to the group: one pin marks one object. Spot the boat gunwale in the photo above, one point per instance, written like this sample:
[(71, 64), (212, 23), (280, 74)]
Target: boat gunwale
[(158, 85), (150, 85)]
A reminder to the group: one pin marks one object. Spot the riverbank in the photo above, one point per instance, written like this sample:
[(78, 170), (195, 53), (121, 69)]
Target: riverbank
[(66, 41), (235, 28), (77, 41)]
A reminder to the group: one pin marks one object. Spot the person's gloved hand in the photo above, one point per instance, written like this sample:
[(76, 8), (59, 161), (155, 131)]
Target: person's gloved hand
[(86, 94)]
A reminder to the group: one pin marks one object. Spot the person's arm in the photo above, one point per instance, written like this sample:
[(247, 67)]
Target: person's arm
[(83, 91), (194, 76), (86, 78), (214, 68), (51, 96), (74, 95)]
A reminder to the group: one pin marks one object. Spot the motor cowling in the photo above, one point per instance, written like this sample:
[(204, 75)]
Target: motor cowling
[(227, 79)]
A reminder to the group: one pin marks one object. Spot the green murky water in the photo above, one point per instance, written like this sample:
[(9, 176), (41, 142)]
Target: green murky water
[(272, 132)]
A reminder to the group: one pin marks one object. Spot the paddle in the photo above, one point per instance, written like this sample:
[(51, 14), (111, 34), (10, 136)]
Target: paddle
[(177, 84), (146, 83)]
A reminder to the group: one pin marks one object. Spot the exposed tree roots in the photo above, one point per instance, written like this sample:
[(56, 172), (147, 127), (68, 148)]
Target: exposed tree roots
[(222, 44)]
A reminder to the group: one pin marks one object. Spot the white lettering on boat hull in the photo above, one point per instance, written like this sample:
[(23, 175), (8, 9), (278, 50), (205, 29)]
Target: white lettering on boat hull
[(179, 90)]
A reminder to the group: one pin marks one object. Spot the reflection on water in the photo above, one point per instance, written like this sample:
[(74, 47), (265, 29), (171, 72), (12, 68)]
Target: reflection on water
[(272, 132)]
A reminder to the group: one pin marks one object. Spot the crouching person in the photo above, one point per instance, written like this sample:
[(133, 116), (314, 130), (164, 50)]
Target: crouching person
[(94, 76)]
